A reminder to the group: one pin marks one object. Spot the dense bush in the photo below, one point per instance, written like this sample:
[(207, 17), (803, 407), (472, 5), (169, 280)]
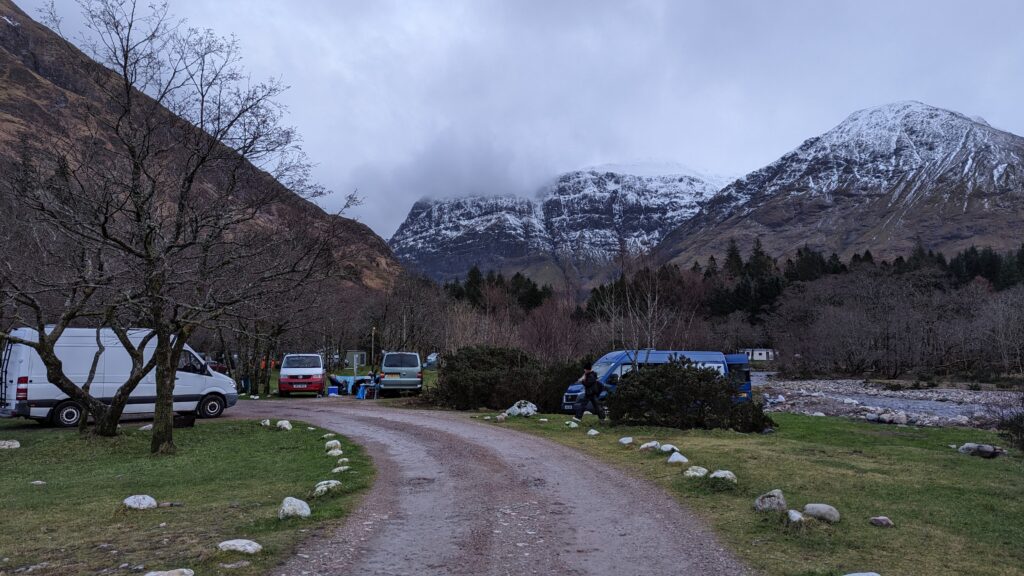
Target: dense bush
[(495, 378), (1011, 426), (680, 395)]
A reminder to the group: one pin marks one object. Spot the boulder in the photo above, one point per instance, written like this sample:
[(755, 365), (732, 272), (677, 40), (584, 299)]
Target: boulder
[(773, 501), (500, 417), (145, 428), (342, 460), (626, 440), (695, 472), (819, 414), (677, 458), (37, 483), (239, 545), (332, 444), (265, 423), (592, 432), (254, 397), (871, 417), (882, 522), (293, 507), (822, 512), (340, 469), (522, 408), (284, 425), (669, 448), (175, 572), (981, 450), (9, 444), (724, 475), (900, 418), (335, 452), (140, 502), (328, 435), (310, 428), (542, 420), (652, 445), (967, 448), (862, 574), (325, 487), (572, 424), (794, 517), (487, 417)]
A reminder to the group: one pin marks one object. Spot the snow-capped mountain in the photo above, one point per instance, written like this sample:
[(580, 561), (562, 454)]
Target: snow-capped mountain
[(584, 217), (885, 179)]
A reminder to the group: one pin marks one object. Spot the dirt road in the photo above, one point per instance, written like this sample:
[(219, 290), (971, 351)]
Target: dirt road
[(455, 496)]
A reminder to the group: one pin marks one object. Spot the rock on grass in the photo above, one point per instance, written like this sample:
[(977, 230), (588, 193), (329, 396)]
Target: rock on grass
[(677, 458), (284, 425), (773, 501), (822, 512), (9, 444), (293, 508), (696, 472), (175, 572), (140, 502), (332, 444), (882, 522), (240, 545), (325, 487)]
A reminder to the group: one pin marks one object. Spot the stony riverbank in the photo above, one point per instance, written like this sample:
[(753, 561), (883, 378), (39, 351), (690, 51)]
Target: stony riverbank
[(860, 399)]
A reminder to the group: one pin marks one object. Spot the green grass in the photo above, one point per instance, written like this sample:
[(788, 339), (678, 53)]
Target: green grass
[(955, 515), (231, 477)]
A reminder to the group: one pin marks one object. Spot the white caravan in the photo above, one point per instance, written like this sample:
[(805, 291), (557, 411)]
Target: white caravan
[(25, 390)]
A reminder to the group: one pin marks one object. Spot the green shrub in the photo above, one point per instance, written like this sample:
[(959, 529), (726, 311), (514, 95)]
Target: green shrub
[(680, 395), (496, 378)]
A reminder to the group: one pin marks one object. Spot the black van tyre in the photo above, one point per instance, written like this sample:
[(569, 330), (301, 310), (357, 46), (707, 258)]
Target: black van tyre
[(66, 414), (210, 406)]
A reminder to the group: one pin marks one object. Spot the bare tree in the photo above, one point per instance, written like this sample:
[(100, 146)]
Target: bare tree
[(187, 183)]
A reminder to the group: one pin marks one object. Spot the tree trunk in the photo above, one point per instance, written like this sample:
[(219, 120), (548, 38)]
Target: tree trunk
[(163, 419)]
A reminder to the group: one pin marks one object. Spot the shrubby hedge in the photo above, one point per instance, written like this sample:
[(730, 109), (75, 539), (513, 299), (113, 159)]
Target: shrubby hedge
[(495, 378), (681, 395)]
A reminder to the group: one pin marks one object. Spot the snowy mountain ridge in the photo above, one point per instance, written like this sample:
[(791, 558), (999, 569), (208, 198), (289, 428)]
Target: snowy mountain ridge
[(582, 217), (884, 179)]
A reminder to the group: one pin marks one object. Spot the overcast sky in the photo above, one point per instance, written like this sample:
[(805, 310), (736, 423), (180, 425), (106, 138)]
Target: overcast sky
[(404, 99)]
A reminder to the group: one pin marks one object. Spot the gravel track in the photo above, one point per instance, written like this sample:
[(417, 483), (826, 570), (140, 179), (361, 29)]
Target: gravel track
[(454, 496)]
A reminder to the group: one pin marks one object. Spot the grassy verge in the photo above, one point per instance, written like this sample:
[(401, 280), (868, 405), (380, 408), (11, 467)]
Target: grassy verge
[(955, 515), (230, 476)]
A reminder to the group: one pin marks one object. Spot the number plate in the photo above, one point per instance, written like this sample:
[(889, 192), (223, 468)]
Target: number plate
[(567, 406), (298, 385), (392, 375)]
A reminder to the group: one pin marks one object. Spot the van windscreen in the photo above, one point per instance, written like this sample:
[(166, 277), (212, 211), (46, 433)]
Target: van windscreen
[(301, 362), (405, 360)]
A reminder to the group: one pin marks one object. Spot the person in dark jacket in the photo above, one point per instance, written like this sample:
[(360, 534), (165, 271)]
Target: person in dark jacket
[(592, 389)]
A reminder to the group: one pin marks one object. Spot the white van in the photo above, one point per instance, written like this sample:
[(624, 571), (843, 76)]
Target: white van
[(25, 390)]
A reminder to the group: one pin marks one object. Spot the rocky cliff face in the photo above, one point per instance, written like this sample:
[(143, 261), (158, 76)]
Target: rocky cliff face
[(582, 219), (884, 179)]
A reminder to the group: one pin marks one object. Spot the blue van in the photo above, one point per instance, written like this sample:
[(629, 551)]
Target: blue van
[(613, 366)]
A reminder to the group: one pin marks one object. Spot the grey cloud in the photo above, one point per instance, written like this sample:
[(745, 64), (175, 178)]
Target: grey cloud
[(402, 99)]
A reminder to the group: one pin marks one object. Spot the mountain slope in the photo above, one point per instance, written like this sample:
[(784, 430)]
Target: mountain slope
[(885, 179), (581, 220), (46, 91)]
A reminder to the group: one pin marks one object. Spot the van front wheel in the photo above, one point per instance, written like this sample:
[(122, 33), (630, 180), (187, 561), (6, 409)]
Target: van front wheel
[(211, 406), (66, 415)]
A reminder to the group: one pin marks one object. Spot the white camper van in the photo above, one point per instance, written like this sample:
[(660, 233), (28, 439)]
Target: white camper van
[(25, 390)]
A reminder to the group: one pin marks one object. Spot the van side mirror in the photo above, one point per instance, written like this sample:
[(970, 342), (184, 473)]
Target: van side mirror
[(613, 379)]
